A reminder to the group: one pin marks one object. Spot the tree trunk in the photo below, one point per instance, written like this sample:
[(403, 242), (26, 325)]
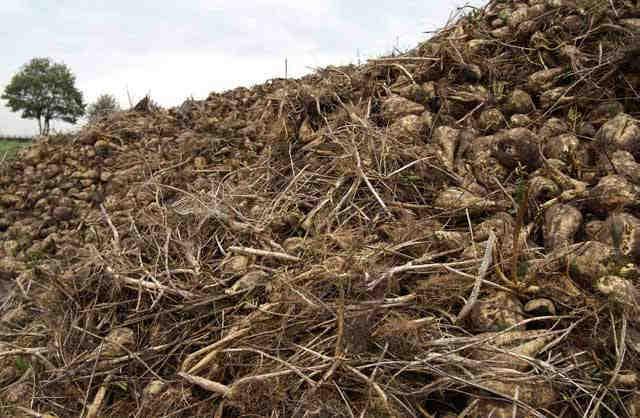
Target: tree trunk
[(39, 125), (46, 125)]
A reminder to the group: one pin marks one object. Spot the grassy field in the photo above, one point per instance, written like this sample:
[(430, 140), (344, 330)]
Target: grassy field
[(10, 146)]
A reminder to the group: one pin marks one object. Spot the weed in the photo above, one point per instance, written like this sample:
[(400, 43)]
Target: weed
[(22, 365)]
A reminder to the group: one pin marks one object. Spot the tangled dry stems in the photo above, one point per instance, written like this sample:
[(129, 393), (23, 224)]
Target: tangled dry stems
[(425, 235)]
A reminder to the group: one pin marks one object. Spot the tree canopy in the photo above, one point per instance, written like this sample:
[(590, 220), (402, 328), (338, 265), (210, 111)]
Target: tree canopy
[(104, 105), (45, 91)]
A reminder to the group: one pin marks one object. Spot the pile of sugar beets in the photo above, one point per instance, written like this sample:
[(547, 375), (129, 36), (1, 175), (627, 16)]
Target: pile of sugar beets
[(450, 232)]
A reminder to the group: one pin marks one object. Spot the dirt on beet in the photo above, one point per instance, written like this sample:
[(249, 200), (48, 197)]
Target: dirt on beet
[(450, 232)]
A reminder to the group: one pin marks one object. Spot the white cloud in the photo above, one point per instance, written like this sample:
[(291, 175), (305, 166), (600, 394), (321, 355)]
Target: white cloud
[(13, 6), (11, 124), (273, 7), (177, 49), (171, 77)]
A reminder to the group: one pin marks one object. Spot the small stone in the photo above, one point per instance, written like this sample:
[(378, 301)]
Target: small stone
[(306, 133), (430, 91), (154, 388), (414, 92), (491, 120), (525, 29), (476, 46), (52, 170), (613, 192), (395, 107), (544, 79), (102, 147), (446, 141), (619, 291), (10, 266), (605, 112), (454, 198), (633, 404), (294, 245), (118, 342), (410, 126), (15, 316), (237, 264), (105, 176), (586, 130), (624, 164), (629, 379), (543, 189), (534, 392), (84, 196), (501, 224), (472, 72), (517, 147), (632, 24), (32, 156), (557, 96), (88, 137), (90, 174), (517, 17), (620, 133), (200, 163), (11, 247), (497, 23), (10, 200), (553, 127), (17, 393), (495, 409), (469, 93), (590, 262), (497, 312), (519, 121), (562, 147), (519, 101), (538, 7), (247, 282), (449, 240), (573, 23), (592, 229), (540, 306), (62, 213), (622, 232), (562, 222)]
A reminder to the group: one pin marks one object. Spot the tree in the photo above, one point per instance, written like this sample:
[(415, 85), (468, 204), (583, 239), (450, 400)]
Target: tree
[(45, 91), (104, 105)]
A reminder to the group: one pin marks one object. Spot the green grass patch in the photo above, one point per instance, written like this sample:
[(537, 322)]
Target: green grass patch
[(22, 364), (9, 147)]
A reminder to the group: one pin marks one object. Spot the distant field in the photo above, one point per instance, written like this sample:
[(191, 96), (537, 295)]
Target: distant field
[(10, 146)]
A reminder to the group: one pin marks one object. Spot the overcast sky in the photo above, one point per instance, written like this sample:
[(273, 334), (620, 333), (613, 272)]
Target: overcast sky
[(174, 49)]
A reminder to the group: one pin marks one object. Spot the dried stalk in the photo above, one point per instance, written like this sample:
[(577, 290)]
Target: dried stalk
[(482, 272), (114, 230), (206, 384), (139, 283), (94, 409), (263, 253)]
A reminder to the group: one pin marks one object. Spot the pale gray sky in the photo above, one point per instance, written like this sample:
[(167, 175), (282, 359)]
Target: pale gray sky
[(176, 49)]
